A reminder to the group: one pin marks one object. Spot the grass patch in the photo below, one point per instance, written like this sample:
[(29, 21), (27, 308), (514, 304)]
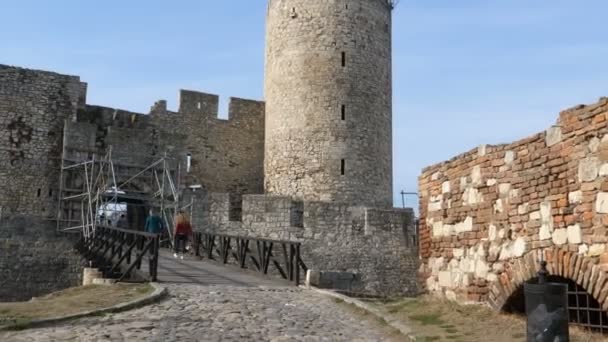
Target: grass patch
[(428, 319), (434, 319), (70, 301)]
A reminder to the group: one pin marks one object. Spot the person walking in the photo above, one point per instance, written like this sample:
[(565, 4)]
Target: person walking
[(153, 223), (183, 231)]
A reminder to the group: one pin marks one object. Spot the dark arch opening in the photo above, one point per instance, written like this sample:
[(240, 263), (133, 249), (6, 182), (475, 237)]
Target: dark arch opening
[(130, 205), (583, 309)]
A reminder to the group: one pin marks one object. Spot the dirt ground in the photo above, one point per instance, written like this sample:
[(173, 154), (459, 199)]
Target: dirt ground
[(71, 301), (441, 320)]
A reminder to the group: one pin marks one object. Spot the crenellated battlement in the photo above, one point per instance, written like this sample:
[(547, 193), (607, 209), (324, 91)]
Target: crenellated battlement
[(234, 148), (207, 105)]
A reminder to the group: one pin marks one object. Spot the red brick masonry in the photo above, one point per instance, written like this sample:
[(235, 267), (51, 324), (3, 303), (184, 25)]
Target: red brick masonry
[(488, 214)]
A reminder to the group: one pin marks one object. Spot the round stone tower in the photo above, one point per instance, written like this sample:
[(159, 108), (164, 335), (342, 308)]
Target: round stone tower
[(328, 101)]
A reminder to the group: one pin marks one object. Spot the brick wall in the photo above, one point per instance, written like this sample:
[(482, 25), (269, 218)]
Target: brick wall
[(489, 215)]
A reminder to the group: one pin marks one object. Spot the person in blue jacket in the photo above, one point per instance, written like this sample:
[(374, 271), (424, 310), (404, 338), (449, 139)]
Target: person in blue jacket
[(153, 223)]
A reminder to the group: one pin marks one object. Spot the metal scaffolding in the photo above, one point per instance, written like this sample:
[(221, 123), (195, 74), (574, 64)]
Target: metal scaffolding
[(96, 191)]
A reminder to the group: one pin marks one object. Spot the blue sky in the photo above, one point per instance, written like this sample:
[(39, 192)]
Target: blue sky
[(466, 72)]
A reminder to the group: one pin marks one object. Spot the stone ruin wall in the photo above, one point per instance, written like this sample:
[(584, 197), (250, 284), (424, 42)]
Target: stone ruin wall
[(489, 215), (34, 260), (33, 106), (374, 244), (44, 116), (227, 155)]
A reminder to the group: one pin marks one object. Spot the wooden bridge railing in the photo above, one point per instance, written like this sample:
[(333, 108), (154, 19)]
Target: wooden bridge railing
[(122, 251), (252, 253)]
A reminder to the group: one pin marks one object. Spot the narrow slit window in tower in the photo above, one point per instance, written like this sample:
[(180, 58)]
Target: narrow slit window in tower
[(342, 166), (343, 58), (188, 162), (38, 192), (50, 192), (343, 110)]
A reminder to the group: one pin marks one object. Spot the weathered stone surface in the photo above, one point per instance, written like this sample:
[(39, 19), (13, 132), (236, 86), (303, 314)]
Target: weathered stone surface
[(219, 313), (509, 157), (575, 197), (604, 170), (596, 249), (560, 236), (476, 178), (472, 196), (539, 193), (601, 203), (553, 135), (445, 279), (574, 234), (322, 155), (588, 169), (306, 137), (445, 187), (520, 246), (458, 252), (34, 260)]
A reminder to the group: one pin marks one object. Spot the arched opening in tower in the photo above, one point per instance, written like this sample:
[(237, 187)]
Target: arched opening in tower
[(583, 309), (127, 211)]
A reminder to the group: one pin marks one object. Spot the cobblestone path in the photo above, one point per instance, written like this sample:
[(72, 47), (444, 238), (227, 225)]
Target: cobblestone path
[(220, 313)]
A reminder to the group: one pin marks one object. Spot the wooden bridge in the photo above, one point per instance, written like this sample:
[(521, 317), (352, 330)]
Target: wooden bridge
[(129, 255)]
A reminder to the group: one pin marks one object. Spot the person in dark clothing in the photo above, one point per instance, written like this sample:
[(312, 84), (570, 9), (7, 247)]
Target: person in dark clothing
[(183, 231), (153, 223)]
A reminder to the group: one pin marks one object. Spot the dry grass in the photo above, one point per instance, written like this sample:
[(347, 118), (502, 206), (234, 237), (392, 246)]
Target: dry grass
[(441, 320), (71, 301), (390, 333)]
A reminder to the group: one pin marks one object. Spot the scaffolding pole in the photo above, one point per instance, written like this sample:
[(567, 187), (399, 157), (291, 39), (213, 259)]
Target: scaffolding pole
[(95, 184)]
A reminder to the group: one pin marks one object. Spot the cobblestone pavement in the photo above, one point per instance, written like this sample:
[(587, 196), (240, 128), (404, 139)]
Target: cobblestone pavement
[(220, 313)]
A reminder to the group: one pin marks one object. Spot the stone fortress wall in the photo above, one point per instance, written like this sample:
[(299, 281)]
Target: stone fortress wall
[(488, 216), (44, 118), (33, 107), (328, 101), (312, 164), (227, 155), (376, 247)]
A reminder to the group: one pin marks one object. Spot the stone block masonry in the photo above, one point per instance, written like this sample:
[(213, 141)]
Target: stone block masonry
[(487, 216), (44, 119), (312, 164), (33, 107), (226, 155), (328, 101), (375, 245), (34, 260)]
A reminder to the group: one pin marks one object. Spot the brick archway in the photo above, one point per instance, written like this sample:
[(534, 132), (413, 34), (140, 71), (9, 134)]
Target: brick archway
[(582, 270)]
